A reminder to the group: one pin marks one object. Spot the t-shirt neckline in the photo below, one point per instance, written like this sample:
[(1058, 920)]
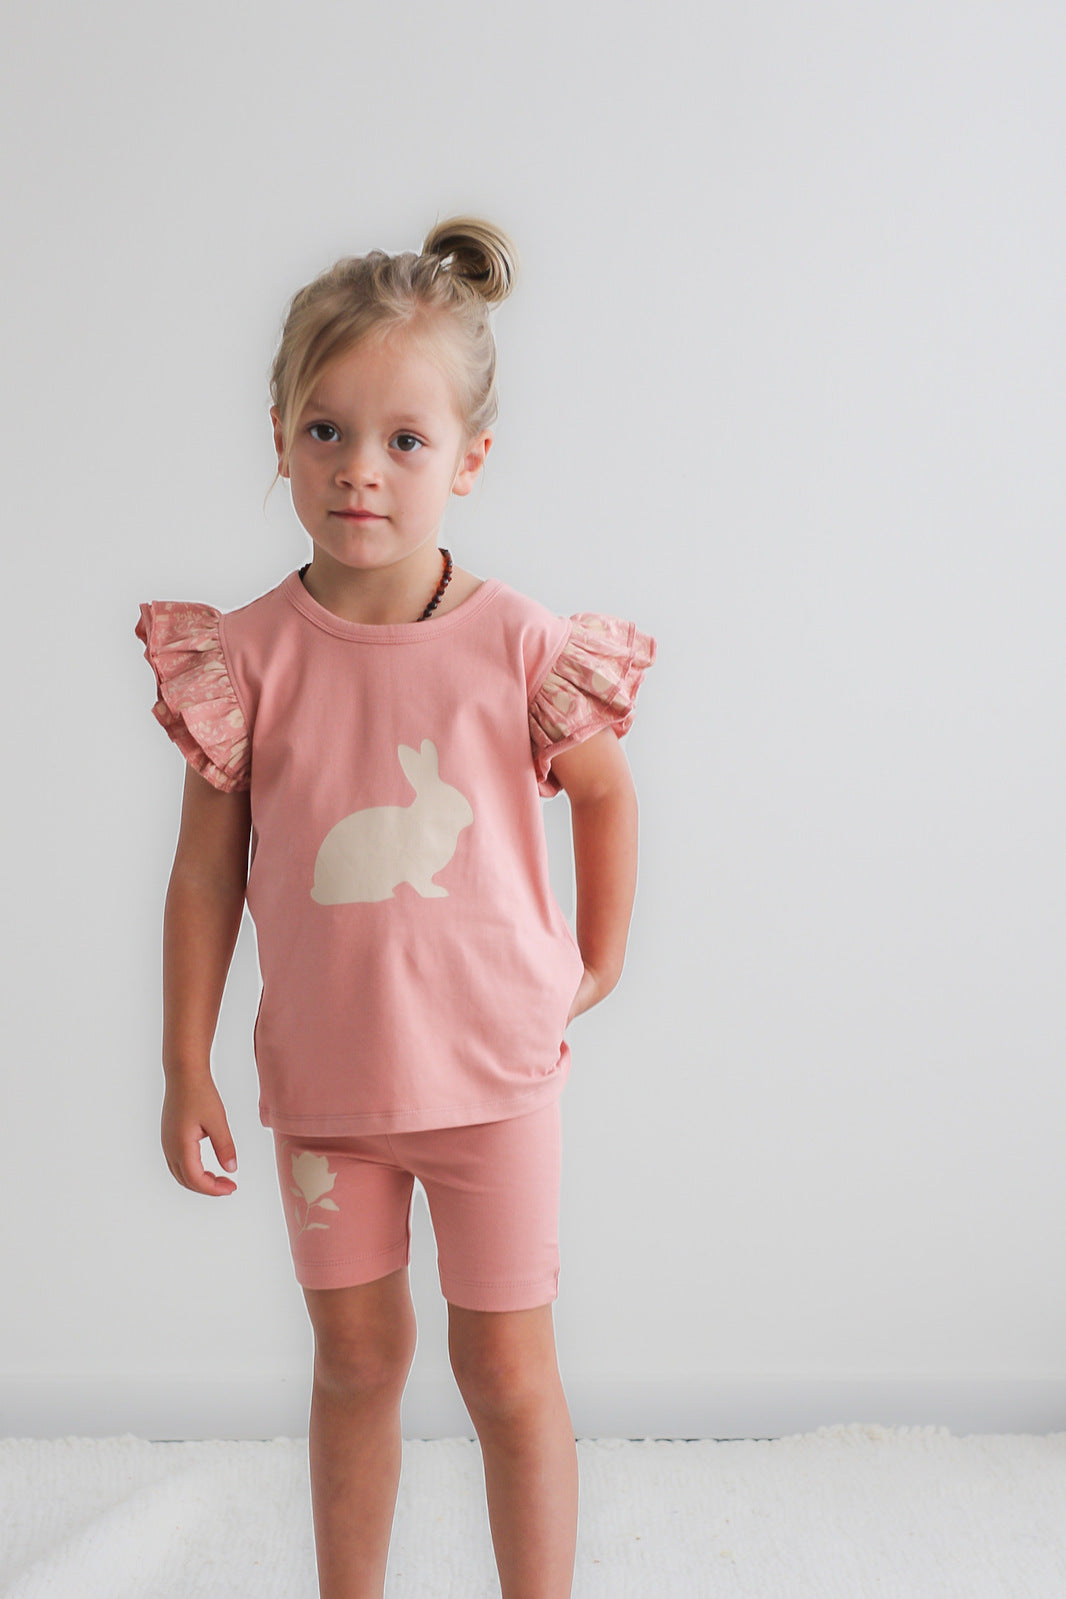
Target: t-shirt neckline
[(386, 632)]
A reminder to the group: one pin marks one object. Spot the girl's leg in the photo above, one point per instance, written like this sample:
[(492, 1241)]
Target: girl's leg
[(507, 1371), (364, 1345)]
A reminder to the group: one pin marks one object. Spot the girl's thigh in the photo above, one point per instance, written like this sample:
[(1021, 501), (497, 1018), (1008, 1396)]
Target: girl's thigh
[(347, 1205), (493, 1193)]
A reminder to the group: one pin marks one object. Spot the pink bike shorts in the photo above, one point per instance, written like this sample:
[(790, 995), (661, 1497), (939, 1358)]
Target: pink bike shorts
[(493, 1192)]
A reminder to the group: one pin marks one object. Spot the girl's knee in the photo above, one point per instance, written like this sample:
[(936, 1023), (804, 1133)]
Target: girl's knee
[(504, 1361), (365, 1335)]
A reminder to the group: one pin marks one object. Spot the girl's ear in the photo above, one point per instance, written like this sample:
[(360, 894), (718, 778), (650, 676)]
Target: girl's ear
[(471, 463), (279, 442)]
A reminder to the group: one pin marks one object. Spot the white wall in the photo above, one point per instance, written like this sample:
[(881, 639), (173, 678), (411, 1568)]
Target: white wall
[(783, 381)]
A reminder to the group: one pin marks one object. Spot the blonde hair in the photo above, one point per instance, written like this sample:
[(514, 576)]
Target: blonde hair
[(441, 297)]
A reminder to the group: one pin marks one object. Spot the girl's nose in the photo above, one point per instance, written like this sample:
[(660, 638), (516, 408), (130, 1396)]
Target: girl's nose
[(360, 465)]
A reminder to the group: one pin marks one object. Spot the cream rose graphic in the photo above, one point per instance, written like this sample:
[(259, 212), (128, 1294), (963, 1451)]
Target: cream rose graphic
[(312, 1181)]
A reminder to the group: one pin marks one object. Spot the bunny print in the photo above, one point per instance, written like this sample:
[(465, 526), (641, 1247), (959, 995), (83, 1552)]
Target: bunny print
[(366, 855)]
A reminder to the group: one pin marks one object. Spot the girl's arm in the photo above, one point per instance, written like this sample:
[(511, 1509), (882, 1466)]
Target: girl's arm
[(204, 906), (603, 805)]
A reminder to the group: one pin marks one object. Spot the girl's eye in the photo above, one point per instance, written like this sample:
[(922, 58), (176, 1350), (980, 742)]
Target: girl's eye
[(407, 448)]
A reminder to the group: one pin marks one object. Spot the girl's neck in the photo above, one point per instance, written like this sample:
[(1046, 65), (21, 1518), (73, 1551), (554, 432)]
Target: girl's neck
[(396, 593), (383, 604)]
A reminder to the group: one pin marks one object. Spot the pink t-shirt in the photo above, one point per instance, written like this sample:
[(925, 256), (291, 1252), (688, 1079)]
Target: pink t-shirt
[(417, 969)]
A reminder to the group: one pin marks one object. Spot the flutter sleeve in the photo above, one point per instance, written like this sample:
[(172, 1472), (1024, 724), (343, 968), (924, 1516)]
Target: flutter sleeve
[(196, 702), (592, 684)]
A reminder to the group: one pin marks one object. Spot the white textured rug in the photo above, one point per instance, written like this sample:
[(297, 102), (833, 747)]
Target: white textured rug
[(848, 1511)]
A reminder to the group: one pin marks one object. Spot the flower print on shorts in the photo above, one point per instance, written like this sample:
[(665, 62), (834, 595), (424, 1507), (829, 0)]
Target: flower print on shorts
[(312, 1181)]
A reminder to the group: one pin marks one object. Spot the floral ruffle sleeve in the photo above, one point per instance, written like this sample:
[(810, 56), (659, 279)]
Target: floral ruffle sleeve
[(196, 702), (592, 684)]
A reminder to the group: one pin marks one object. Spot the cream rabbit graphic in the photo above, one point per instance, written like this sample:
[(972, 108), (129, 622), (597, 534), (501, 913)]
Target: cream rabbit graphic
[(367, 854)]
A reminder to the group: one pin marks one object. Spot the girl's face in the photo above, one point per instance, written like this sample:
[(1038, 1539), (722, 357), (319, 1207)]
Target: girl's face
[(381, 434)]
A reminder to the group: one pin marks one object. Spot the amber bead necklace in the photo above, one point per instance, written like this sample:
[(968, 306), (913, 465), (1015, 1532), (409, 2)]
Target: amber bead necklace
[(446, 578)]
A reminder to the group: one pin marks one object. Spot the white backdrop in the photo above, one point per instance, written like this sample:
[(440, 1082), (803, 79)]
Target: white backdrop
[(783, 381)]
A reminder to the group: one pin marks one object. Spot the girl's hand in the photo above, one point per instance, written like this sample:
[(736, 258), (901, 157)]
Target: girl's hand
[(590, 991), (193, 1109)]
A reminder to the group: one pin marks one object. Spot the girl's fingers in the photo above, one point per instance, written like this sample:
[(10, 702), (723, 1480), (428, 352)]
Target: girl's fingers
[(197, 1178), (191, 1115), (226, 1155), (225, 1151)]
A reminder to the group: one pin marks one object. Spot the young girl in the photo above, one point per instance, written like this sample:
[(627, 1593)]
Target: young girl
[(367, 745)]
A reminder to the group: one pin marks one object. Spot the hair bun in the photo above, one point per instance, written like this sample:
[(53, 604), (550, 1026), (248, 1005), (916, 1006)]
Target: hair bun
[(476, 252)]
